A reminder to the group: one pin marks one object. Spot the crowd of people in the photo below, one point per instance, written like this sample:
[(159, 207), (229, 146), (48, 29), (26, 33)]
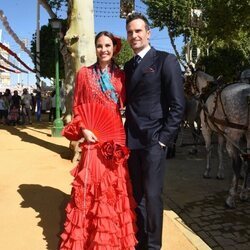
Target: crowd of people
[(23, 108)]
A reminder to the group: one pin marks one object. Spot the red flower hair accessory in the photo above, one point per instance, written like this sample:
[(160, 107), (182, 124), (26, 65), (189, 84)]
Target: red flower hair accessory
[(121, 153), (118, 44)]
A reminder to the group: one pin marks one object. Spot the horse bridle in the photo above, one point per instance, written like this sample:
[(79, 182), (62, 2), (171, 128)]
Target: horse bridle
[(201, 96), (190, 84)]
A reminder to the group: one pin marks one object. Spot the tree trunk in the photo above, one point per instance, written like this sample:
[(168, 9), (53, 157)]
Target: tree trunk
[(79, 40)]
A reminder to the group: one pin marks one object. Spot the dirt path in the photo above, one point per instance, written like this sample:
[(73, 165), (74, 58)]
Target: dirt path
[(35, 186), (35, 181)]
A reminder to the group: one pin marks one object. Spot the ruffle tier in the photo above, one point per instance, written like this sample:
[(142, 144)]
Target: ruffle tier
[(100, 214)]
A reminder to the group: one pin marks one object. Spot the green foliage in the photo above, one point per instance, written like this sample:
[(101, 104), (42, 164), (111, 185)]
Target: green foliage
[(228, 62), (57, 4), (47, 53), (169, 13), (226, 18), (222, 19), (224, 30), (125, 54)]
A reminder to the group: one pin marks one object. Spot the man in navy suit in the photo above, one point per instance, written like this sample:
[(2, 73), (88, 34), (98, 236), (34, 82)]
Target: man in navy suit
[(154, 110)]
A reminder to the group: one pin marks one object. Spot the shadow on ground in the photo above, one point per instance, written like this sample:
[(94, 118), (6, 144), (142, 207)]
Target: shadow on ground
[(49, 203), (63, 151), (200, 202)]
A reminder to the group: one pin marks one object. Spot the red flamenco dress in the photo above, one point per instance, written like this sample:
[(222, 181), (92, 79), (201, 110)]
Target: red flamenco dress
[(100, 214)]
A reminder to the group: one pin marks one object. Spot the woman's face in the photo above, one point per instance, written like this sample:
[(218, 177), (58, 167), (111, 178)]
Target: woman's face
[(104, 50)]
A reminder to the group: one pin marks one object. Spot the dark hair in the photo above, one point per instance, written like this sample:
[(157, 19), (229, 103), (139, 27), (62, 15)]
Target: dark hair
[(136, 15), (53, 93), (7, 91), (106, 33)]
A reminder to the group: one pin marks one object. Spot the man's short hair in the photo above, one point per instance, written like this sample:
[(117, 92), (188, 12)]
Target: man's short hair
[(136, 15)]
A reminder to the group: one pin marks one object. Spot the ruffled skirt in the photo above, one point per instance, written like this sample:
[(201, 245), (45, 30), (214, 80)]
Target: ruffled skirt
[(100, 214)]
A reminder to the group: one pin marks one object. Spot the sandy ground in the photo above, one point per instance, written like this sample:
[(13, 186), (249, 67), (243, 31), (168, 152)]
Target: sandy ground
[(35, 182), (35, 186)]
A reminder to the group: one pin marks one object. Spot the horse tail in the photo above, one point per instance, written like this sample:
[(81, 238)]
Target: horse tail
[(248, 128), (248, 111)]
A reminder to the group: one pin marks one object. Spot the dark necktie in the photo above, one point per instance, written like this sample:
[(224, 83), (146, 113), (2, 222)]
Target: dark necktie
[(137, 60)]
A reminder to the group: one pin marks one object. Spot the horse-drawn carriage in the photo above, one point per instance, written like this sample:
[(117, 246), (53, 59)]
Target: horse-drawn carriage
[(224, 110)]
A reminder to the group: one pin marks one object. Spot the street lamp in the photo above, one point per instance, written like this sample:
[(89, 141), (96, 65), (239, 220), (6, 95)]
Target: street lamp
[(57, 123)]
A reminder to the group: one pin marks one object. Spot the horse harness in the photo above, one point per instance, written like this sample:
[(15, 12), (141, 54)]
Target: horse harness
[(214, 120), (203, 96)]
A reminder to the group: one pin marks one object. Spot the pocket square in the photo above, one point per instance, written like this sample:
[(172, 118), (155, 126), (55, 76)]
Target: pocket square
[(149, 70)]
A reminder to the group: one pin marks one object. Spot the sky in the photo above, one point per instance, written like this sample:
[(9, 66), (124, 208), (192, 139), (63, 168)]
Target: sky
[(22, 18)]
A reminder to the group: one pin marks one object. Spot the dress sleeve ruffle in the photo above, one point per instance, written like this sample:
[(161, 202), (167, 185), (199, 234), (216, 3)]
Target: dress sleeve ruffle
[(73, 130)]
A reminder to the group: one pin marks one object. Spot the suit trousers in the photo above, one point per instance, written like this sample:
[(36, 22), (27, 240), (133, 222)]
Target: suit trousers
[(146, 168)]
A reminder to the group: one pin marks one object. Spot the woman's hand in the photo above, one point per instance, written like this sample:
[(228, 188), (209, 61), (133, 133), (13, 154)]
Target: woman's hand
[(89, 136)]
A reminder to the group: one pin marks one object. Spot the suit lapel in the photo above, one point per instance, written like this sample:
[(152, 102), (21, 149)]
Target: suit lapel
[(147, 61)]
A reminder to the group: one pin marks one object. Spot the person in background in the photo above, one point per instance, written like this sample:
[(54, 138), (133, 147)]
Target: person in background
[(62, 97), (7, 99), (38, 101), (26, 101), (3, 108), (154, 111), (8, 95), (33, 104), (100, 214), (15, 109), (47, 102), (16, 101), (52, 112)]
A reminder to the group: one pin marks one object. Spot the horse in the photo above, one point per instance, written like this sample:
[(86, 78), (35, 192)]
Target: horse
[(225, 111), (191, 118), (245, 76)]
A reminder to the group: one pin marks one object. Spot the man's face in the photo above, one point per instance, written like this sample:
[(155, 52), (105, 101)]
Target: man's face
[(137, 35)]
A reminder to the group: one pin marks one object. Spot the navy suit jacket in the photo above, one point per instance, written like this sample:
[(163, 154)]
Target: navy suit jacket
[(154, 100)]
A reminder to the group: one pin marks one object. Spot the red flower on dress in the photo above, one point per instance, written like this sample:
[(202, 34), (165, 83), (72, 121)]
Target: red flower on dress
[(107, 149), (115, 152), (121, 153)]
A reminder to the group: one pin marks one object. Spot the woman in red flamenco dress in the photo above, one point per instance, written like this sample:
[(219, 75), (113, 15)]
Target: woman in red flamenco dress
[(100, 214)]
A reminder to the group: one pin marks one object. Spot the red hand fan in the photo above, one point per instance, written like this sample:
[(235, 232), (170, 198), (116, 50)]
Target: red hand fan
[(104, 123)]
